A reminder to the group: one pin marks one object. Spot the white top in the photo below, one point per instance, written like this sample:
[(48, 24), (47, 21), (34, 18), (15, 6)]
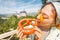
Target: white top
[(54, 34)]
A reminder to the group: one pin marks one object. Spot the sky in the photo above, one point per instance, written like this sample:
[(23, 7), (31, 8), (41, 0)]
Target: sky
[(12, 6)]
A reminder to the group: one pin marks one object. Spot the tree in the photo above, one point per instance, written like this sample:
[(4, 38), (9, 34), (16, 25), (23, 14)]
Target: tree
[(44, 1), (6, 25)]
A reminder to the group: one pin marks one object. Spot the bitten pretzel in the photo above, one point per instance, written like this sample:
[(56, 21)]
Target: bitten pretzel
[(28, 30)]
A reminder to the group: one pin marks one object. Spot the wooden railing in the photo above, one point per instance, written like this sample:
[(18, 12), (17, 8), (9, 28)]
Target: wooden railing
[(4, 35)]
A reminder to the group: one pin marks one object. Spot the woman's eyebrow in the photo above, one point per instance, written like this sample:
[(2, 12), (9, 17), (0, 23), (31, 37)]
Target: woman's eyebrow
[(44, 14)]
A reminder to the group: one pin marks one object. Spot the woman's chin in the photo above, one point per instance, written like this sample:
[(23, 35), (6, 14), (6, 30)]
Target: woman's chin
[(45, 25)]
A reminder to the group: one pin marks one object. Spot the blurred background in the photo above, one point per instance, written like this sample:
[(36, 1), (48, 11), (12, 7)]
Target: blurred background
[(11, 11)]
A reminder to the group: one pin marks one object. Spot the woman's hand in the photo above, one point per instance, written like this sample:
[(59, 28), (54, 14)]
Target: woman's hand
[(20, 33), (38, 33)]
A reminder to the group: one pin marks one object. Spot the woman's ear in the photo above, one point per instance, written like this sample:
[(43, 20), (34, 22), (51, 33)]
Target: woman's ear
[(58, 26)]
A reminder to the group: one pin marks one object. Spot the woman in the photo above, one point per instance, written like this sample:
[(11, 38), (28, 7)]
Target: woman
[(47, 21)]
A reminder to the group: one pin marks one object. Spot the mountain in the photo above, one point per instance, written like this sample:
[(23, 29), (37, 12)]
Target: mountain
[(7, 15), (10, 14)]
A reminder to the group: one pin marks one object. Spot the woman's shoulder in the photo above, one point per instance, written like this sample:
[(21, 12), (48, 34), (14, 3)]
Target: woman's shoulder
[(56, 28), (54, 33)]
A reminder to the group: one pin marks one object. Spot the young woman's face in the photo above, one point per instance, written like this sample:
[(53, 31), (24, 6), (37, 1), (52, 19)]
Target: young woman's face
[(48, 18)]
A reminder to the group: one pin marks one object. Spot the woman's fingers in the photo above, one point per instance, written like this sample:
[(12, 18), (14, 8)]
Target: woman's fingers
[(37, 29), (19, 32), (21, 35), (38, 34), (24, 36)]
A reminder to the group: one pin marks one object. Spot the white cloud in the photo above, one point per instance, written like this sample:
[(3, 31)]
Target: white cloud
[(28, 8), (5, 6), (8, 3), (12, 3), (28, 3)]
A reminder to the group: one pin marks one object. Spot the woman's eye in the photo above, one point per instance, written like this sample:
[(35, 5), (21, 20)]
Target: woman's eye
[(45, 16)]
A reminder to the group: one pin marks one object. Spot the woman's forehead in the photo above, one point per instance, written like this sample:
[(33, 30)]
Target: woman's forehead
[(47, 10)]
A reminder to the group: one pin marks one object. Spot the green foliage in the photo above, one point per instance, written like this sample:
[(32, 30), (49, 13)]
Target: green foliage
[(7, 24), (11, 23), (14, 38)]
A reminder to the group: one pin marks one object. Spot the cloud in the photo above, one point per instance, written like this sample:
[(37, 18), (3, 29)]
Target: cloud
[(11, 6), (28, 8), (12, 3), (7, 3), (26, 3)]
